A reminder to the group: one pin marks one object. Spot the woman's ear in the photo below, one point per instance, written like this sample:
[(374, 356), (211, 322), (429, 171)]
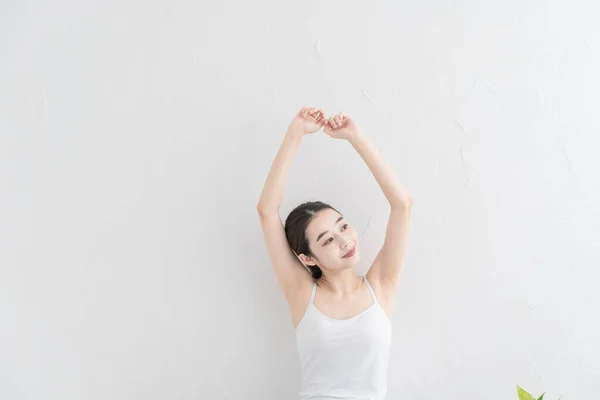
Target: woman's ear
[(307, 260)]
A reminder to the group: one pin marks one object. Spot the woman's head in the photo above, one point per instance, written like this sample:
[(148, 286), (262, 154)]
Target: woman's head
[(321, 237)]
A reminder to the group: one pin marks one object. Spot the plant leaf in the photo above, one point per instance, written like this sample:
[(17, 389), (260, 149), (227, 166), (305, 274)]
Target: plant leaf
[(542, 396), (523, 395)]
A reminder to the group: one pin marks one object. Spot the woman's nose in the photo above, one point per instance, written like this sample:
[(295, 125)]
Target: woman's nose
[(345, 242)]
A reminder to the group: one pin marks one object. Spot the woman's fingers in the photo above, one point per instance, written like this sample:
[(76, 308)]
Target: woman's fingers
[(315, 114), (332, 122), (338, 120)]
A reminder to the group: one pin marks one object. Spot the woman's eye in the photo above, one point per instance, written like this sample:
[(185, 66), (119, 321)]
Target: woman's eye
[(345, 227)]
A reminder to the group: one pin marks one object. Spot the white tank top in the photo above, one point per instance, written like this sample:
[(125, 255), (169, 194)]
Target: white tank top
[(344, 359)]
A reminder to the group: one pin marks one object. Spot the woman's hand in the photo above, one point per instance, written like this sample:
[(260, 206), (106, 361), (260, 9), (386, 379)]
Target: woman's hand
[(341, 126), (308, 120)]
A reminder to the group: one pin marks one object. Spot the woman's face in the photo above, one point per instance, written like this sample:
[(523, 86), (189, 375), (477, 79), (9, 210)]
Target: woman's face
[(330, 237)]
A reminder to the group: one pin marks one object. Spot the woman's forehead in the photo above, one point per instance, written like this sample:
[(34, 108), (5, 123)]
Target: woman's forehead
[(327, 218)]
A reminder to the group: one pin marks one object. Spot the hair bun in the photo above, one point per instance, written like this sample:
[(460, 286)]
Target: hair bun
[(316, 272)]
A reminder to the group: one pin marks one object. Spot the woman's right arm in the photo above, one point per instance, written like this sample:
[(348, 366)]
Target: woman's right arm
[(307, 120), (291, 274), (272, 193)]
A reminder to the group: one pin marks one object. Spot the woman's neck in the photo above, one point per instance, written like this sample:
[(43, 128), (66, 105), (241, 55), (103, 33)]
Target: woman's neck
[(342, 283)]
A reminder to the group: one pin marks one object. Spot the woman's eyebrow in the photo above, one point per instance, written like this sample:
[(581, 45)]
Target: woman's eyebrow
[(322, 233)]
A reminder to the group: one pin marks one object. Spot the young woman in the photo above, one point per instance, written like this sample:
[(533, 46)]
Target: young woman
[(343, 329)]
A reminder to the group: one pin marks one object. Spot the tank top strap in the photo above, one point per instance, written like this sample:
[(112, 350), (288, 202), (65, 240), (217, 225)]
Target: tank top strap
[(371, 290), (312, 296)]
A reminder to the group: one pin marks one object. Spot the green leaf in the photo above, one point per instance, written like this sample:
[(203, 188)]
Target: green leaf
[(542, 396), (523, 395)]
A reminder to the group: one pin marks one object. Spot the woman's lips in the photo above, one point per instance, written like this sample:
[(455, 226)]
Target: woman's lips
[(351, 253)]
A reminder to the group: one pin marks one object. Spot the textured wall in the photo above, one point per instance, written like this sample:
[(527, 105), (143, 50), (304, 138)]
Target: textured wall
[(135, 138)]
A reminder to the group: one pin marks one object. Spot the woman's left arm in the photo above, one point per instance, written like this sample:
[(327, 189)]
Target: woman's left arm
[(388, 263), (394, 192)]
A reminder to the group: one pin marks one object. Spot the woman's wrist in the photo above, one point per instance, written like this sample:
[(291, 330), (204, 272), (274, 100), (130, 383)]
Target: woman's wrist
[(295, 131), (356, 137)]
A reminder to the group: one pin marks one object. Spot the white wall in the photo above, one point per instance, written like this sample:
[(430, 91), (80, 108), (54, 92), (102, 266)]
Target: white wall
[(136, 137)]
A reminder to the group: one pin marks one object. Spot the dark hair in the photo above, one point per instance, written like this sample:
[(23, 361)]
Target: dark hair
[(295, 230)]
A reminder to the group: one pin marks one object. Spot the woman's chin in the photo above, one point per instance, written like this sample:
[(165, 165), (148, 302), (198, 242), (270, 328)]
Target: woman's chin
[(353, 258)]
